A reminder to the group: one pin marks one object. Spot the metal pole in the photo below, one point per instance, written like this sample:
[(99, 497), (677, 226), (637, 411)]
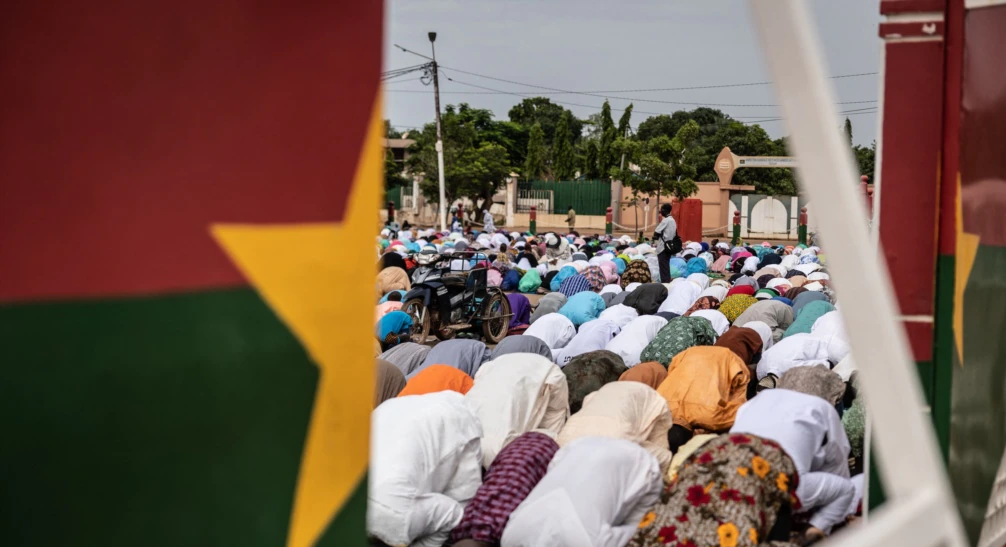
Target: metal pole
[(440, 142)]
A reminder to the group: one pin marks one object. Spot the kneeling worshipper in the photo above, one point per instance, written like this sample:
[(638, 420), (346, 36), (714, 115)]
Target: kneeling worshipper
[(705, 386), (649, 373), (811, 433), (733, 490), (809, 314), (392, 279), (624, 410), (586, 374), (425, 465), (407, 356), (464, 355), (436, 378), (390, 382), (555, 329), (777, 315), (676, 336), (799, 350), (509, 480), (519, 343), (619, 313), (592, 336), (550, 303), (634, 337), (393, 329), (594, 495), (514, 394)]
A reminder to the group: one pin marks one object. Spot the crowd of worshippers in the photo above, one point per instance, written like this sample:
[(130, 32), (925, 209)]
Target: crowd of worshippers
[(716, 408)]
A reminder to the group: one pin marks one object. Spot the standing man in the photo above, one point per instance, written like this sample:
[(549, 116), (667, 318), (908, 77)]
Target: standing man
[(666, 238), (571, 218), (487, 222)]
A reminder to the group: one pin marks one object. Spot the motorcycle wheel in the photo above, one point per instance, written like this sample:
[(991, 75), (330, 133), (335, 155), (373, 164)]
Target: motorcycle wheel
[(496, 310), (420, 320)]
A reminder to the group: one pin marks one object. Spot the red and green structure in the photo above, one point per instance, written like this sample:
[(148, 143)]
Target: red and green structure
[(182, 364), (942, 201)]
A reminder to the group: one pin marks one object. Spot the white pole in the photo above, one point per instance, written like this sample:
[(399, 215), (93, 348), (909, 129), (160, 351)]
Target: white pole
[(920, 509)]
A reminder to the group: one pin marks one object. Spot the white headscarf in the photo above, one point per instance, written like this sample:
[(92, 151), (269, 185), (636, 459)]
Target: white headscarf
[(620, 314), (700, 279), (634, 337), (716, 318), (568, 509), (718, 292), (764, 331), (425, 465), (555, 329), (801, 350), (516, 393), (680, 297), (632, 286), (614, 288), (750, 265), (593, 336)]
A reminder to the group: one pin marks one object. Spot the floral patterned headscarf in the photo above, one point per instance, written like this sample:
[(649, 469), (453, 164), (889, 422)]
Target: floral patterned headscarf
[(703, 303), (728, 493), (638, 271)]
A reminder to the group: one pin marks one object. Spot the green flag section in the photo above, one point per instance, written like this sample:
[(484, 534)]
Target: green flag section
[(182, 183)]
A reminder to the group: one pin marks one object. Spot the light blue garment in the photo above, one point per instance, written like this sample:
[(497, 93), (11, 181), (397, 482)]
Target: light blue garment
[(620, 264), (696, 265), (396, 322), (679, 267), (582, 307), (385, 297)]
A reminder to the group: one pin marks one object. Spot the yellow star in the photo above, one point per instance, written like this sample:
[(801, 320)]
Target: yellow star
[(300, 271), (967, 248)]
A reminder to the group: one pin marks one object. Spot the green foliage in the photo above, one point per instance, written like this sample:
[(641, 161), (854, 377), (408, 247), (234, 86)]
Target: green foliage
[(393, 172), (390, 132), (848, 131), (542, 110), (590, 165), (563, 156), (623, 122), (476, 157), (660, 166), (866, 159), (536, 159)]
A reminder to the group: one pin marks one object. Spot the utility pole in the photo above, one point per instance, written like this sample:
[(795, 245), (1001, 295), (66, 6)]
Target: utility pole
[(440, 142)]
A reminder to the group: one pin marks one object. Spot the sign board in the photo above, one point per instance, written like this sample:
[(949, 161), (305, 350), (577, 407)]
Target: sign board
[(766, 161)]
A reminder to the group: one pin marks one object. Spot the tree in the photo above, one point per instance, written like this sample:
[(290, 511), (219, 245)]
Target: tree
[(606, 152), (590, 164), (563, 156), (476, 164), (848, 131), (542, 110), (390, 131), (623, 122), (866, 159), (535, 162), (393, 176)]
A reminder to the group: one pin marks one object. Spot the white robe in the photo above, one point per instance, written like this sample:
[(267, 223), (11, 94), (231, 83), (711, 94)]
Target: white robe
[(621, 314), (634, 338), (425, 465), (514, 394), (593, 336), (716, 318), (594, 495), (680, 296), (811, 433), (555, 329), (800, 350)]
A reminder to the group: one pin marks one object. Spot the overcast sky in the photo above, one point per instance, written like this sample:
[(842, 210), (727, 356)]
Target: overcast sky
[(618, 48)]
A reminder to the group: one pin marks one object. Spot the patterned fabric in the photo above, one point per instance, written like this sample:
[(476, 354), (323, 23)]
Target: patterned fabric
[(595, 276), (734, 305), (703, 303), (728, 493), (636, 272), (587, 372), (574, 284), (854, 422), (676, 336), (511, 477)]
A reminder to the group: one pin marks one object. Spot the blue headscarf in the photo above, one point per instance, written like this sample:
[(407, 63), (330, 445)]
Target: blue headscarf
[(620, 264), (566, 271), (784, 300), (396, 322), (678, 267), (697, 265)]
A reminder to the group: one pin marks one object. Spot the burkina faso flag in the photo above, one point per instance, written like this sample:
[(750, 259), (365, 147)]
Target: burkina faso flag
[(188, 192)]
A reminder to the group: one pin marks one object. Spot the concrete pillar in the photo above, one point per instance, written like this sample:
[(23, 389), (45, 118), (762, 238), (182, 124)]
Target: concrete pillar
[(511, 200)]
